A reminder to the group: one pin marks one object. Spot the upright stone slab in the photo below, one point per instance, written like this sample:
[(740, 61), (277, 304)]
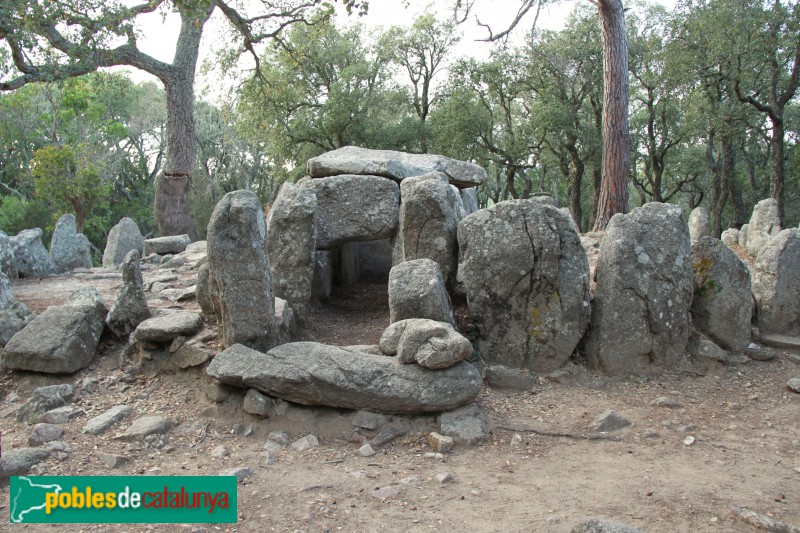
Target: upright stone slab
[(722, 305), (526, 276), (394, 165), (776, 284), (354, 208), (30, 254), (291, 236), (640, 316), (122, 238), (698, 223), (469, 197), (323, 275), (428, 222), (243, 296), (764, 223), (8, 263), (375, 260), (730, 237), (63, 339), (130, 308), (14, 315), (68, 248), (416, 290)]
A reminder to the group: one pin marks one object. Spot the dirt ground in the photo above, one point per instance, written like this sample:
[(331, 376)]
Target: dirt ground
[(535, 472)]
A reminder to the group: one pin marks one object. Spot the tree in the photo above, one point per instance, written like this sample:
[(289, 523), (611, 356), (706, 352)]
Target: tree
[(615, 164), (58, 40)]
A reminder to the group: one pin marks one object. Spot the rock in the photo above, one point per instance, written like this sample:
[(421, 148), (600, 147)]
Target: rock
[(130, 308), (291, 237), (354, 208), (395, 165), (698, 224), (44, 432), (365, 451), (192, 353), (794, 385), (112, 460), (781, 341), (387, 435), (417, 290), (429, 343), (440, 443), (68, 248), (122, 238), (667, 402), (163, 329), (730, 237), (428, 222), (369, 420), (220, 452), (445, 478), (8, 263), (610, 421), (526, 276), (61, 415), (466, 425), (640, 315), (44, 399), (596, 525), (701, 347), (239, 472), (759, 353), (315, 374), (144, 426), (100, 423), (30, 255), (19, 462), (776, 284), (469, 198), (284, 327), (279, 437), (173, 244), (305, 443), (256, 403), (722, 304), (386, 493), (242, 292), (63, 339), (323, 276), (14, 315), (764, 223), (203, 290), (217, 392), (90, 385), (743, 235), (503, 377)]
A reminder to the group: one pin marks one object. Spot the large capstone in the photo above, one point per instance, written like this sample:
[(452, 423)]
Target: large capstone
[(171, 244), (429, 216), (316, 374), (30, 254), (68, 248), (122, 238), (640, 315), (416, 290), (291, 236), (776, 284), (244, 301), (526, 276), (63, 339), (395, 165), (354, 208), (722, 305), (764, 223), (130, 307)]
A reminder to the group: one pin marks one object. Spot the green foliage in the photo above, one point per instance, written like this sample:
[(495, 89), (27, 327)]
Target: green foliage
[(17, 214)]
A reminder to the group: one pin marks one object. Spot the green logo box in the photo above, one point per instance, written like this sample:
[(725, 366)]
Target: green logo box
[(122, 499)]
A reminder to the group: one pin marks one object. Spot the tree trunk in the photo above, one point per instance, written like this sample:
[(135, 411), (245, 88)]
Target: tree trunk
[(616, 138), (172, 189), (776, 163), (723, 175)]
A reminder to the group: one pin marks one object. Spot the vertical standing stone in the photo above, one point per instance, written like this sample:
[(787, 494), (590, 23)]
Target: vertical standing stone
[(243, 296), (776, 284), (291, 235), (68, 248), (698, 223), (130, 308), (122, 238)]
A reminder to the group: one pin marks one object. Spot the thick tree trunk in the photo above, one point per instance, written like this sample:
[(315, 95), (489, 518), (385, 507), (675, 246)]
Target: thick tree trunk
[(777, 164), (616, 138), (723, 175), (172, 190)]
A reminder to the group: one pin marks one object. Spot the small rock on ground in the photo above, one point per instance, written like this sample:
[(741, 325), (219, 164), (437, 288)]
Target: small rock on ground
[(667, 402), (595, 525), (144, 426), (365, 451), (794, 385), (440, 443), (305, 443), (240, 472), (100, 423), (44, 433), (610, 421), (386, 493), (445, 478)]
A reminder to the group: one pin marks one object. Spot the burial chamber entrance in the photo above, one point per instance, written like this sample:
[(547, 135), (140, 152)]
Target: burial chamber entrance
[(350, 301)]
